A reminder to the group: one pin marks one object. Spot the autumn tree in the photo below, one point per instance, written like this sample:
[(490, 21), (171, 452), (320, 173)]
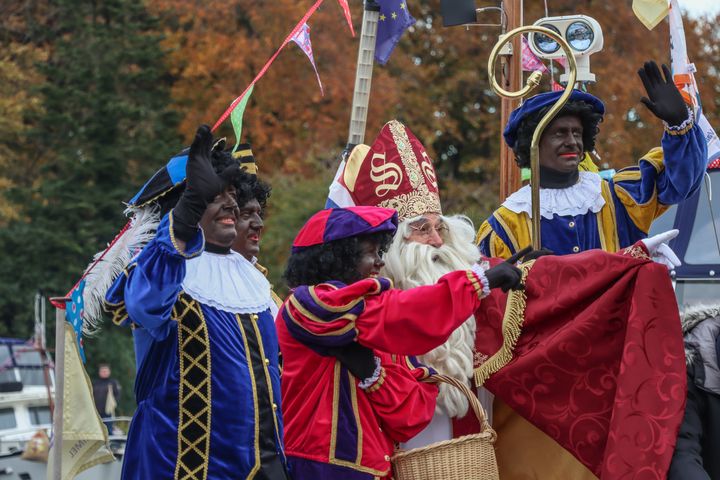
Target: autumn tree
[(21, 50), (104, 126)]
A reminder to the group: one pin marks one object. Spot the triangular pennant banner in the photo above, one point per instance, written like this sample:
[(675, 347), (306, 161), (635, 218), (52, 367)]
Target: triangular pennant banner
[(302, 38), (236, 117)]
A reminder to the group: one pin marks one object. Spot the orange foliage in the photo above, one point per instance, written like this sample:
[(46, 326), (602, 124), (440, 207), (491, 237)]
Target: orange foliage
[(436, 82), (216, 50)]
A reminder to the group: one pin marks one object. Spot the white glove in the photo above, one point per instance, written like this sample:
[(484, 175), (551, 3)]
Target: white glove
[(660, 251)]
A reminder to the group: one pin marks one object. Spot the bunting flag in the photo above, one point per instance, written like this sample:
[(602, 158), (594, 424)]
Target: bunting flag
[(530, 62), (270, 61), (302, 38), (236, 117), (346, 10), (684, 77), (74, 312), (650, 12), (394, 20)]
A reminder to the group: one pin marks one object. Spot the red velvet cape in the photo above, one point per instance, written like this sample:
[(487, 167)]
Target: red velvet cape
[(599, 365)]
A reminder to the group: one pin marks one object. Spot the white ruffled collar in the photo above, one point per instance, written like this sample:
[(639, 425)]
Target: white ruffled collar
[(585, 196), (227, 282)]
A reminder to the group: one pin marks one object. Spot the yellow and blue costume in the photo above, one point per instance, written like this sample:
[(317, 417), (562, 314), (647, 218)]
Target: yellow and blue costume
[(597, 213)]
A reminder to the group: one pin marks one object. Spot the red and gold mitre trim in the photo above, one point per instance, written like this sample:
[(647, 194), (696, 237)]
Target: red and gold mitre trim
[(395, 172)]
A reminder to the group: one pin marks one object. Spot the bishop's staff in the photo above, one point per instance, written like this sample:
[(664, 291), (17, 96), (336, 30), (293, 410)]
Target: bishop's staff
[(532, 82)]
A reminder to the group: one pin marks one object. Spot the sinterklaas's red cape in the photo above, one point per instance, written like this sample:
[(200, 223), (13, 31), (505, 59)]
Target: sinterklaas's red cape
[(599, 365)]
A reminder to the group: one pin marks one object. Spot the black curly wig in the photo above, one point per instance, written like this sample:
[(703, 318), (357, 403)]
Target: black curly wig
[(249, 187), (588, 117), (336, 260)]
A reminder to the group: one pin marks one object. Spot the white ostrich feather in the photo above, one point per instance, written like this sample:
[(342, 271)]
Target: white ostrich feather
[(144, 222)]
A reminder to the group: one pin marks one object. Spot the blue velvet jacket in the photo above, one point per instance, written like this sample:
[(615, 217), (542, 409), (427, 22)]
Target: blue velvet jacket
[(208, 382)]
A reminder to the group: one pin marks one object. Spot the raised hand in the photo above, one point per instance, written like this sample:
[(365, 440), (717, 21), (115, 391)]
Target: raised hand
[(202, 185), (202, 181), (664, 99)]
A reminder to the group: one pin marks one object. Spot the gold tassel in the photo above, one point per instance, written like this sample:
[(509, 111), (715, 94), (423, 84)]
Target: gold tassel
[(511, 328)]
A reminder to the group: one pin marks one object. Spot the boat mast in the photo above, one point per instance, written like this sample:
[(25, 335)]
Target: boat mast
[(363, 75)]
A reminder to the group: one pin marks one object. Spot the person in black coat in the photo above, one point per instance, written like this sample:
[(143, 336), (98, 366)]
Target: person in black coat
[(106, 392), (697, 452)]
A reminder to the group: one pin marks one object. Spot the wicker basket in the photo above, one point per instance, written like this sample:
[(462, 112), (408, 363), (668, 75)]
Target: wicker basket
[(471, 457)]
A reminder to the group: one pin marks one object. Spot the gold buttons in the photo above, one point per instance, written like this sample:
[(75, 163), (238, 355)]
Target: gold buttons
[(274, 406), (253, 317), (387, 458), (267, 361), (576, 249), (571, 224)]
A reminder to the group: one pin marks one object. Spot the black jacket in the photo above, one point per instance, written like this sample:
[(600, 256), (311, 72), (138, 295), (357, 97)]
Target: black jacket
[(101, 388), (697, 453)]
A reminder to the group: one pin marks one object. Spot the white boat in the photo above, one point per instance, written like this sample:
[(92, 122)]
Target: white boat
[(26, 390)]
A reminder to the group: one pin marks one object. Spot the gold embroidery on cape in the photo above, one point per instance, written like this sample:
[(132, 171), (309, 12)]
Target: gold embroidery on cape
[(511, 330), (636, 252), (192, 337)]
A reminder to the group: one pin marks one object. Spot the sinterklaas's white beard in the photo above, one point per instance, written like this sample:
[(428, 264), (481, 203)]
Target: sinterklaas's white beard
[(412, 264)]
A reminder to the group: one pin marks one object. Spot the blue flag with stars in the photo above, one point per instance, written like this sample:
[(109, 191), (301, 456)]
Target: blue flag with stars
[(394, 20), (74, 309)]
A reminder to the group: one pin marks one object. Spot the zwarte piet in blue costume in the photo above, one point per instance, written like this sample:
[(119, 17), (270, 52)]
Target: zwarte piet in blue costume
[(580, 210), (208, 382)]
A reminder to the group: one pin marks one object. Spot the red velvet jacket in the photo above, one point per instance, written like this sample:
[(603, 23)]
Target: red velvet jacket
[(327, 417)]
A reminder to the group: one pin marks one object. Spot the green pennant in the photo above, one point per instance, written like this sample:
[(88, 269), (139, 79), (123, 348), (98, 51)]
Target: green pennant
[(236, 117)]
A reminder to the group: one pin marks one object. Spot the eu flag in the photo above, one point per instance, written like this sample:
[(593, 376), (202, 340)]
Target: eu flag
[(394, 20)]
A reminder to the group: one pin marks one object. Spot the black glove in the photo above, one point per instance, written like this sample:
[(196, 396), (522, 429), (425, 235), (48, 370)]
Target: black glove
[(360, 360), (202, 185), (537, 254), (665, 101), (506, 275)]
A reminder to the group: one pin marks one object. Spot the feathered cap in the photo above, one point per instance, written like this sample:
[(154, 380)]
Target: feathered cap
[(167, 183)]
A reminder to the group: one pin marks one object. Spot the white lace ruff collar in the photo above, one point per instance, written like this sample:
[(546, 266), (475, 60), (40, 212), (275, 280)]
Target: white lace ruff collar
[(585, 196), (227, 282)]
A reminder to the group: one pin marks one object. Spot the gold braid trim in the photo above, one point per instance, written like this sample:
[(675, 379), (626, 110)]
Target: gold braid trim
[(511, 329), (376, 386), (194, 392)]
